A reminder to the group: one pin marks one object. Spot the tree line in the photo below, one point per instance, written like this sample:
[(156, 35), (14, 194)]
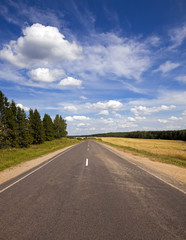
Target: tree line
[(19, 130), (167, 135)]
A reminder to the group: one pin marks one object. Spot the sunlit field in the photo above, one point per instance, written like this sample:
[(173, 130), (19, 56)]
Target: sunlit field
[(163, 150)]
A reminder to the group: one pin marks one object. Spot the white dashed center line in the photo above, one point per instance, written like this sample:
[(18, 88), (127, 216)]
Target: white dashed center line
[(86, 164)]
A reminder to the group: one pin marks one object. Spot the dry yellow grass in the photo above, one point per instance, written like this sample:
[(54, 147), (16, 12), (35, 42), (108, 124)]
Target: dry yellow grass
[(167, 148)]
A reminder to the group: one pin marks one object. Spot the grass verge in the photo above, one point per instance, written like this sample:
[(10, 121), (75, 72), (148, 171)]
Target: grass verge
[(11, 157), (179, 161)]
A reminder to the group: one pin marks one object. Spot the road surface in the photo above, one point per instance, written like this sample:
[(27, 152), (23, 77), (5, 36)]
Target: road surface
[(89, 192)]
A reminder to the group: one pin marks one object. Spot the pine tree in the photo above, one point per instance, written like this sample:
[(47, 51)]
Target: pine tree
[(56, 127), (60, 127), (6, 122), (63, 126), (12, 123), (36, 125), (31, 125), (48, 128), (24, 139), (2, 122)]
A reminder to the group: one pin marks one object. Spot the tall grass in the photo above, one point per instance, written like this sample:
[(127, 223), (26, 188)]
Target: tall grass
[(168, 151), (11, 157)]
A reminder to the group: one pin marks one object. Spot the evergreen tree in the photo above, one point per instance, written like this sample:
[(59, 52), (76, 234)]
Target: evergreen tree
[(56, 127), (24, 138), (12, 124), (31, 125), (36, 125), (48, 128), (2, 121), (63, 125), (59, 127), (6, 122)]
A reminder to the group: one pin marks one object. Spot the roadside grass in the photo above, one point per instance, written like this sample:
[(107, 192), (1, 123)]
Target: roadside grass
[(167, 151), (11, 157)]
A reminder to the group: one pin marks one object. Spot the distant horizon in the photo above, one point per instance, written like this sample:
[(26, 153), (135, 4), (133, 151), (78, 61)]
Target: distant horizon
[(104, 66)]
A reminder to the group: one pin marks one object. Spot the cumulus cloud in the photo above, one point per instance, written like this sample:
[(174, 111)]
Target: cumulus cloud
[(78, 118), (40, 45), (83, 124), (181, 78), (70, 82), (167, 67), (173, 118), (104, 112), (162, 120), (142, 110), (140, 118), (70, 108), (45, 74), (108, 120), (128, 125), (109, 105), (83, 97), (131, 119), (22, 107)]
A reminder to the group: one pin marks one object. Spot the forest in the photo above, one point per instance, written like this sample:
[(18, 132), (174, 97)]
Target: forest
[(19, 130), (168, 135)]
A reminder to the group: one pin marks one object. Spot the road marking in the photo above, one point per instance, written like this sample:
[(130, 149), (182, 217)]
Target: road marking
[(86, 164), (35, 170)]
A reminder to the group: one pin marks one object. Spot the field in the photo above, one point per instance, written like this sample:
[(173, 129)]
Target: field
[(11, 157), (168, 151)]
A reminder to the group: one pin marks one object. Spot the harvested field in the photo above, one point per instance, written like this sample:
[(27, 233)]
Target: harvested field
[(168, 151)]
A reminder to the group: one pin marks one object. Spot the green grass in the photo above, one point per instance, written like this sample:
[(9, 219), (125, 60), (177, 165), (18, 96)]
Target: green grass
[(11, 157), (152, 156)]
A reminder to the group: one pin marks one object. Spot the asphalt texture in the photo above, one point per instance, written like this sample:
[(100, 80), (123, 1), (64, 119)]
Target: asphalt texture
[(106, 198)]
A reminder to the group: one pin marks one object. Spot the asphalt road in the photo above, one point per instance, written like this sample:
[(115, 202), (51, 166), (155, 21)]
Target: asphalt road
[(88, 192)]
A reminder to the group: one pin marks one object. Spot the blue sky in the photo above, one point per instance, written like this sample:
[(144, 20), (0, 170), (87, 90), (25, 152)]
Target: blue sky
[(103, 65)]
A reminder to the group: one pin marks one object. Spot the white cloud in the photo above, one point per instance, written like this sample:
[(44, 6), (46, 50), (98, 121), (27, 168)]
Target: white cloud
[(162, 121), (173, 118), (178, 35), (120, 56), (70, 108), (81, 125), (70, 82), (173, 97), (104, 112), (128, 125), (78, 118), (153, 40), (22, 107), (109, 105), (42, 45), (45, 74), (131, 119), (108, 121), (167, 66), (140, 118), (142, 110), (83, 97), (184, 113), (181, 78)]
